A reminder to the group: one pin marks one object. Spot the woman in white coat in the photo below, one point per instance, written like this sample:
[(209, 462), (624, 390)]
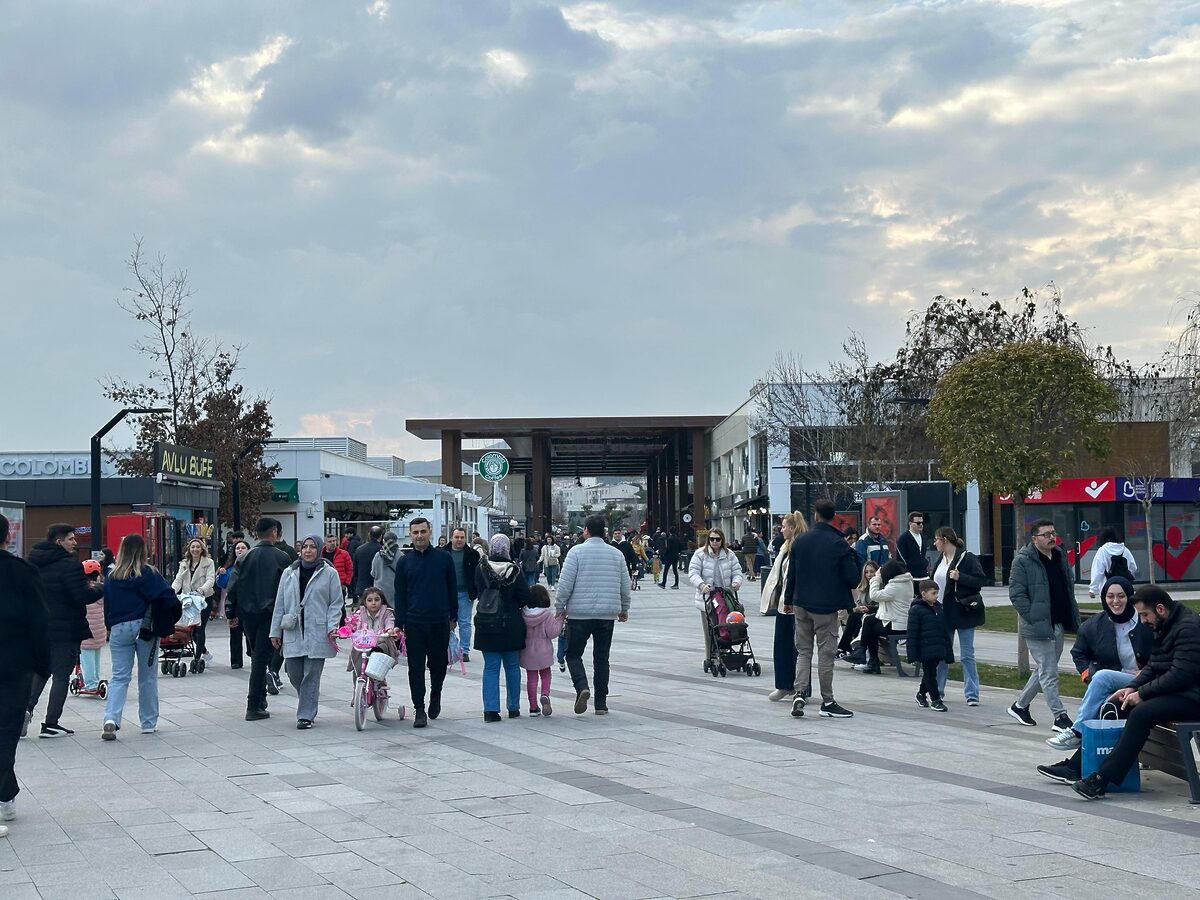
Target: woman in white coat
[(308, 607), (198, 575), (713, 566), (785, 625)]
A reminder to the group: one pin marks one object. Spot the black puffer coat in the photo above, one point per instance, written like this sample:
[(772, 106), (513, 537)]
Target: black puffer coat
[(1174, 667), (928, 636), (22, 615), (515, 592), (66, 591)]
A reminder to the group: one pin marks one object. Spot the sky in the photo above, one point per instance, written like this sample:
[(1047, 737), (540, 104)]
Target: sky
[(485, 208)]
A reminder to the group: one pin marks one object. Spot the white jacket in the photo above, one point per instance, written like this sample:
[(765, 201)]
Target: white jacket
[(550, 555), (777, 576), (200, 581), (1101, 563), (894, 599), (720, 570)]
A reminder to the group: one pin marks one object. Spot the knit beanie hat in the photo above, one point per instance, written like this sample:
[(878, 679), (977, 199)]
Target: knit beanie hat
[(499, 547)]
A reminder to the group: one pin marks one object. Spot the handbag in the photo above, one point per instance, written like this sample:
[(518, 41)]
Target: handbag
[(1100, 736), (970, 601)]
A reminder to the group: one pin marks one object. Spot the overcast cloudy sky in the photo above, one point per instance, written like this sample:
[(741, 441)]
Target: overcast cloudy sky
[(474, 207)]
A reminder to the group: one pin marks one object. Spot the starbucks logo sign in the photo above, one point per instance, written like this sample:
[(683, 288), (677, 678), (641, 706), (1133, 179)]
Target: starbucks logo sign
[(493, 466)]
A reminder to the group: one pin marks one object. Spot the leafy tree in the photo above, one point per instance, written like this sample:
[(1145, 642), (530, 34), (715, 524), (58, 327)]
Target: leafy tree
[(1015, 418), (195, 378)]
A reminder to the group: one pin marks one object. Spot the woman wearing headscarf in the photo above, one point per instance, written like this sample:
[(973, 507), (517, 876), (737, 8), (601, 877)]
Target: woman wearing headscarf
[(500, 633), (1110, 648), (785, 625), (383, 566), (308, 607)]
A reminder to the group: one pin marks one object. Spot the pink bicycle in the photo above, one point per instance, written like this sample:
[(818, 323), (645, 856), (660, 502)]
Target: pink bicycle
[(370, 685)]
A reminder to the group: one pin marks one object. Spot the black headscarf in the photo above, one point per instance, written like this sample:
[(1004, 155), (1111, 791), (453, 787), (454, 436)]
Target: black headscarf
[(1125, 585)]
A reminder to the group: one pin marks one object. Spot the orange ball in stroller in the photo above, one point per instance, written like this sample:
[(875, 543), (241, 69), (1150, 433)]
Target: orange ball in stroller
[(734, 618)]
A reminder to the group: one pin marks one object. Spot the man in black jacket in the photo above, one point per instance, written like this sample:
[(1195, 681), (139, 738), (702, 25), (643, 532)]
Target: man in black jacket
[(668, 556), (67, 595), (22, 614), (250, 601), (427, 609), (363, 556), (822, 569), (911, 547), (1167, 689)]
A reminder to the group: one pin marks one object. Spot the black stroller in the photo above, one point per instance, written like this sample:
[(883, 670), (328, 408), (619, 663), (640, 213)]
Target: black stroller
[(728, 636)]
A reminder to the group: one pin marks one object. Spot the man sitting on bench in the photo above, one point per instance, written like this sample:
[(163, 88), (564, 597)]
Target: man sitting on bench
[(1166, 690)]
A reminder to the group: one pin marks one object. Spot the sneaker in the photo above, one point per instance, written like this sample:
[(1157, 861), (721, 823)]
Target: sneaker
[(109, 733), (938, 705), (3, 831), (254, 715), (1068, 739), (1062, 722), (972, 701), (534, 712), (922, 701), (303, 724), (1090, 788), (274, 676), (601, 710), (832, 710), (779, 694), (208, 658), (272, 687), (807, 692), (514, 714), (581, 701), (488, 716), (562, 665), (420, 720), (53, 731), (546, 708), (8, 810), (798, 707), (25, 723), (842, 654), (151, 730), (466, 657), (1021, 714), (1062, 772), (435, 705)]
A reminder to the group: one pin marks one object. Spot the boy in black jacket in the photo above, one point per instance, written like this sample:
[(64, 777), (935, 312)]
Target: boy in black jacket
[(929, 643)]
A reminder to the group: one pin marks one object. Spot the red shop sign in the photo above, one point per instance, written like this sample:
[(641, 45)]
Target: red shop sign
[(1101, 489)]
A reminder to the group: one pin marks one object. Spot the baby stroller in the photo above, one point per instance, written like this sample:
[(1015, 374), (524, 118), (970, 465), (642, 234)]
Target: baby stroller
[(177, 652), (728, 636)]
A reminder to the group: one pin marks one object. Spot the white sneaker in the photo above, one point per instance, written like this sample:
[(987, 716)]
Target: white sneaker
[(208, 658), (3, 831), (779, 694), (150, 730), (8, 810), (1065, 740)]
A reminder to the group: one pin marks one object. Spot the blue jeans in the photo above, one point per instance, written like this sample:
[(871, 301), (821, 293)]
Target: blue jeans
[(465, 608), (551, 575), (127, 651), (966, 655), (531, 578), (1102, 684), (491, 679), (89, 668)]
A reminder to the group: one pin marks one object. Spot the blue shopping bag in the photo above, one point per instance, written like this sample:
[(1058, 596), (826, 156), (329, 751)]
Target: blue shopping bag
[(1099, 738)]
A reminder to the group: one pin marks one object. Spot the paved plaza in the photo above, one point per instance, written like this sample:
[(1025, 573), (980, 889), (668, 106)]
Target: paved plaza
[(692, 787)]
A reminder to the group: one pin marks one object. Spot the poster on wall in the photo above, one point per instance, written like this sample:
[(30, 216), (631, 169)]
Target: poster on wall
[(890, 507), (15, 513)]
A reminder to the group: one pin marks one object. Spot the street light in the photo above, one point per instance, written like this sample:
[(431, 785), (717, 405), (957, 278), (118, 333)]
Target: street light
[(95, 476), (237, 475)]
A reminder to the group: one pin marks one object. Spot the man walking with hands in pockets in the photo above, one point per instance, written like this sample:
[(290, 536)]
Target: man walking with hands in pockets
[(593, 590)]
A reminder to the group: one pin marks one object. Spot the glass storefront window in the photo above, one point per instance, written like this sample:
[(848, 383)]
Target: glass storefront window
[(1177, 542)]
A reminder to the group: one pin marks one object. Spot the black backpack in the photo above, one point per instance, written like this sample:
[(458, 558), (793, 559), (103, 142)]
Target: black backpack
[(1118, 566), (490, 613)]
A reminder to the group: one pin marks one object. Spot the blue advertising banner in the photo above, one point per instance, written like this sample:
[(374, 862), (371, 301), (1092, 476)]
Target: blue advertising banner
[(1170, 490)]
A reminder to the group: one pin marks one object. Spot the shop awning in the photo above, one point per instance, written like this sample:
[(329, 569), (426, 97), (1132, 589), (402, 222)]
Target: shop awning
[(285, 490)]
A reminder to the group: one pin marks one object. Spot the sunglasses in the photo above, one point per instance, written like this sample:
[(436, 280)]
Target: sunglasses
[(715, 540)]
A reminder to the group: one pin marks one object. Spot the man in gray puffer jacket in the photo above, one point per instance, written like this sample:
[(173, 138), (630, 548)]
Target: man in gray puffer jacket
[(593, 591)]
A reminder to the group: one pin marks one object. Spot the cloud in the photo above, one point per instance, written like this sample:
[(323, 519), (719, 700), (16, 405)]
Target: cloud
[(479, 207)]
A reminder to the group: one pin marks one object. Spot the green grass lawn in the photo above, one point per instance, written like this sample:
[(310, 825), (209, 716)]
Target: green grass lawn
[(1004, 618), (1007, 677)]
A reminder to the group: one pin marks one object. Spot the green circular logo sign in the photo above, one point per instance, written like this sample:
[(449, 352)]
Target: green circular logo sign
[(493, 466)]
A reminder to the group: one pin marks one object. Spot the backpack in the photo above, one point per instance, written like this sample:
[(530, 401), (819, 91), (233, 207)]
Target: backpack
[(489, 613), (1118, 566)]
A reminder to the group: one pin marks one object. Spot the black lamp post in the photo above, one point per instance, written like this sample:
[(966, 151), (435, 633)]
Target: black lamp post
[(95, 476), (237, 475)]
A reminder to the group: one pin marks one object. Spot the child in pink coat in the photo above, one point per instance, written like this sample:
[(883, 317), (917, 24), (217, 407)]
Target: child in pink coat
[(541, 628)]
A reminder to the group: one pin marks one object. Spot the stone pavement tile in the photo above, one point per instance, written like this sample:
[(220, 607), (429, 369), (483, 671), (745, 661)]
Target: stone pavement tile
[(12, 873), (911, 885), (846, 863), (403, 891), (313, 892), (348, 831), (605, 884), (278, 873), (1181, 870), (74, 890), (50, 854), (160, 887), (203, 870), (92, 832), (238, 844)]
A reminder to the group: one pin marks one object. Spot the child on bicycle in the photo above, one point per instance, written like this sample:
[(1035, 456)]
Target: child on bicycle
[(374, 615), (541, 628)]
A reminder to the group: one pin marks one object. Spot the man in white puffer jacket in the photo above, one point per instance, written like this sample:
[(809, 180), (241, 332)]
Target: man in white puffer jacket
[(593, 591)]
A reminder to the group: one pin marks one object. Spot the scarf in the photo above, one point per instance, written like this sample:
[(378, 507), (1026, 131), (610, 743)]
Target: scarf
[(1124, 584), (390, 547)]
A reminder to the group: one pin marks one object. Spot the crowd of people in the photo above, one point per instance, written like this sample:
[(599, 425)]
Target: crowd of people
[(286, 608)]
